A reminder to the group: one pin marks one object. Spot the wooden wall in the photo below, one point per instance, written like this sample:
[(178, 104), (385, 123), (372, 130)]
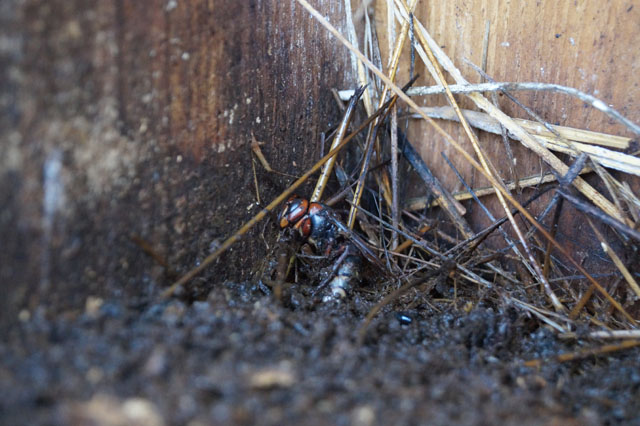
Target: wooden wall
[(124, 117), (589, 45)]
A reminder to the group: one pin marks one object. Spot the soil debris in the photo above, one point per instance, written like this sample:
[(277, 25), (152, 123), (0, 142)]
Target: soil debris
[(240, 357)]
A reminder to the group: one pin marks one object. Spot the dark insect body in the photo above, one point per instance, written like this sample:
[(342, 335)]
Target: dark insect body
[(318, 225), (313, 222)]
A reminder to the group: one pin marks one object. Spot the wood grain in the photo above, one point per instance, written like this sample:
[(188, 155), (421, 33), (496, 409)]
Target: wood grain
[(587, 45), (136, 118)]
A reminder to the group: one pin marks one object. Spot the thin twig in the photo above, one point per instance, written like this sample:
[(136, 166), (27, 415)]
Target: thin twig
[(255, 147), (495, 225), (564, 182), (485, 122), (582, 302), (342, 130), (585, 353), (394, 175), (482, 206), (605, 176), (616, 260), (446, 200), (420, 203), (149, 250), (523, 86), (485, 44), (615, 334), (553, 231), (494, 99), (580, 140), (358, 68), (255, 181)]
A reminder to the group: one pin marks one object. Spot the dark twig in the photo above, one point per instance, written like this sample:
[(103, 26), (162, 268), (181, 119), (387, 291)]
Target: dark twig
[(565, 181), (450, 204), (148, 249), (480, 203), (371, 138), (487, 231), (553, 231)]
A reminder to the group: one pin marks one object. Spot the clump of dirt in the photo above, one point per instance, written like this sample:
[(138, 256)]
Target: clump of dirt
[(240, 357)]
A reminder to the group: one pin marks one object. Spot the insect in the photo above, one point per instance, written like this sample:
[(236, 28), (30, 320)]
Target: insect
[(319, 225)]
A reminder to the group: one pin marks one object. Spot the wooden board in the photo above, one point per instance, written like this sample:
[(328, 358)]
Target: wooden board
[(591, 46), (135, 118)]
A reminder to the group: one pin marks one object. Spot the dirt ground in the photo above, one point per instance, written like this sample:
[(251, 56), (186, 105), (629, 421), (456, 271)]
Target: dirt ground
[(240, 357)]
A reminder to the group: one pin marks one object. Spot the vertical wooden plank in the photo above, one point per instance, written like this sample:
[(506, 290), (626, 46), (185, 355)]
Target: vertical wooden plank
[(588, 45), (136, 118)]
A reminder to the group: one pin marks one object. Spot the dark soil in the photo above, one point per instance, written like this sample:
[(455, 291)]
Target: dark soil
[(240, 357)]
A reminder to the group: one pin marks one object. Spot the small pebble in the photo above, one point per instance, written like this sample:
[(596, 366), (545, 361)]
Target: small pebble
[(24, 315), (92, 306), (272, 377), (363, 416), (107, 410)]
